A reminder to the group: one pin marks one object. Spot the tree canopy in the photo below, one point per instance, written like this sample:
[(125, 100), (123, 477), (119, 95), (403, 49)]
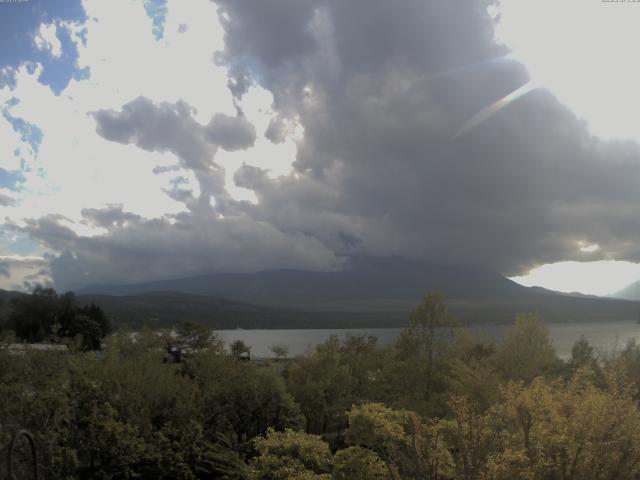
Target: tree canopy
[(438, 403), (46, 316)]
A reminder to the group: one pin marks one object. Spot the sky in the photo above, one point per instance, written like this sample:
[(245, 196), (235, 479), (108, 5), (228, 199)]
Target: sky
[(146, 140)]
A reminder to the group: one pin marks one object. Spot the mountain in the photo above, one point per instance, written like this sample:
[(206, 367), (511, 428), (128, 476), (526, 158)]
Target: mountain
[(630, 292), (168, 308), (364, 279), (368, 292)]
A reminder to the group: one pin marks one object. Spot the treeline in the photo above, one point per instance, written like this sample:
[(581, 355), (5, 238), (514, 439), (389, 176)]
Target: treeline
[(46, 317), (436, 404)]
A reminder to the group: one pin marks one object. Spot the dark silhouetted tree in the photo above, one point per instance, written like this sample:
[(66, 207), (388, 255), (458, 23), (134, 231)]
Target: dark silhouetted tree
[(44, 315)]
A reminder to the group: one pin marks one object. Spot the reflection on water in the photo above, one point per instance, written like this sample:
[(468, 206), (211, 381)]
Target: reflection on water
[(605, 337)]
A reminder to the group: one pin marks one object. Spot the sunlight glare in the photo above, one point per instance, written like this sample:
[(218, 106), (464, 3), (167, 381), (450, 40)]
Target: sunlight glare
[(583, 52), (602, 277)]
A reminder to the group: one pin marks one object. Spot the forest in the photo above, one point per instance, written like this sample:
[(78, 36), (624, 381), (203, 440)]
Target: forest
[(436, 404)]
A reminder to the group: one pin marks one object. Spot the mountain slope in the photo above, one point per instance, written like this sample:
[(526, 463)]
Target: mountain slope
[(167, 308), (369, 292), (364, 279), (630, 292)]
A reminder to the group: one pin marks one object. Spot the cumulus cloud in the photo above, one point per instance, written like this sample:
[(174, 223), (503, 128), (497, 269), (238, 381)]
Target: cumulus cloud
[(176, 246), (109, 216), (171, 127), (231, 133), (6, 201), (23, 272), (47, 39), (380, 92)]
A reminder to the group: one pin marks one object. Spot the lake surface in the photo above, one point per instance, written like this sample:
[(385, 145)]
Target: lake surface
[(606, 337)]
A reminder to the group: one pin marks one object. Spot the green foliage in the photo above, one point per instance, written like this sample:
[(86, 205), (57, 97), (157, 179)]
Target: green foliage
[(221, 461), (410, 446), (239, 349), (437, 404), (357, 463), (415, 371), (331, 378), (45, 316), (280, 350), (472, 370), (526, 351), (320, 383), (33, 317), (240, 398), (291, 455), (193, 336)]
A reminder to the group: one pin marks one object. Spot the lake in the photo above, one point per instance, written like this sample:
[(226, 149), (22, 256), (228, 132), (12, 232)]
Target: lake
[(605, 337)]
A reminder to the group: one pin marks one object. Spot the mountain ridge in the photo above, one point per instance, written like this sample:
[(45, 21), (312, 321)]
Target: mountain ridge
[(364, 278), (371, 292), (630, 292), (384, 289)]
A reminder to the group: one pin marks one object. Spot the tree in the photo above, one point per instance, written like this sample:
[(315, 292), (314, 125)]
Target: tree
[(96, 313), (279, 350), (291, 455), (474, 439), (575, 430), (220, 461), (357, 463), (239, 349), (426, 319), (87, 331), (44, 315), (415, 371), (409, 446), (472, 370), (193, 336), (321, 383), (33, 316), (526, 351), (241, 399)]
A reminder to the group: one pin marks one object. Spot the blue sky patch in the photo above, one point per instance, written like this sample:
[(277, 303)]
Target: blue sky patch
[(11, 179), (19, 23), (16, 243), (29, 132), (157, 11)]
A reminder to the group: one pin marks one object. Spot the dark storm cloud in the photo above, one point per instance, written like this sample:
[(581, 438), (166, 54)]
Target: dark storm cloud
[(381, 88), (265, 51)]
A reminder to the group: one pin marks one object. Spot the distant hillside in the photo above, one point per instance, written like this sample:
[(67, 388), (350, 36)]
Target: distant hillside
[(160, 309), (155, 309), (167, 308), (630, 292), (364, 279), (552, 308), (370, 291)]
